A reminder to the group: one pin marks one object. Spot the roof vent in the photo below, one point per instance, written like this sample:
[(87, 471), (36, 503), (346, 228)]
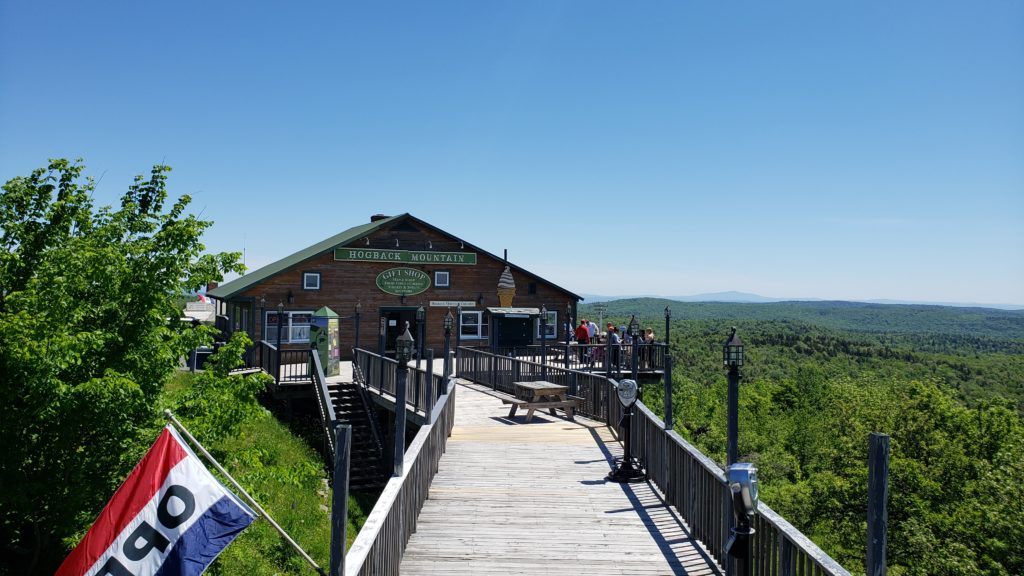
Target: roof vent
[(379, 217)]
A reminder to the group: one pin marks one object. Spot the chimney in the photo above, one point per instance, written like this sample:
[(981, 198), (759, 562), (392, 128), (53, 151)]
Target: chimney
[(377, 217), (211, 286)]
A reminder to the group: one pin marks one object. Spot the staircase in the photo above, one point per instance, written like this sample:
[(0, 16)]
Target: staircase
[(367, 470)]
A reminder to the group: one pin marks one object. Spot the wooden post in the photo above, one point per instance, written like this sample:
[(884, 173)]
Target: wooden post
[(339, 498), (668, 392), (401, 377), (608, 355), (878, 497), (429, 398)]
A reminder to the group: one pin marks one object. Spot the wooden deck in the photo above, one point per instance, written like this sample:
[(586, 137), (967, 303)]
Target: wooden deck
[(516, 498)]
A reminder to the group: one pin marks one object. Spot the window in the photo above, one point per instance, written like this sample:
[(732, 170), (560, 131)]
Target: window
[(472, 326), (294, 329), (442, 279), (551, 330), (310, 280)]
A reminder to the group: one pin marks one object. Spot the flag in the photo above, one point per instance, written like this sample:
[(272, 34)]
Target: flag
[(169, 517)]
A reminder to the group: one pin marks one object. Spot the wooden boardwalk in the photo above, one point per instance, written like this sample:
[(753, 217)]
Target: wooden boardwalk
[(516, 498)]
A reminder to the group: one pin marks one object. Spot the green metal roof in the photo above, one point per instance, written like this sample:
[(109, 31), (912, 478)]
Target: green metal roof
[(238, 285), (242, 283)]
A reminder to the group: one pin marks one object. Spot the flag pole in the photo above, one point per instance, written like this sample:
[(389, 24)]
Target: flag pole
[(238, 487)]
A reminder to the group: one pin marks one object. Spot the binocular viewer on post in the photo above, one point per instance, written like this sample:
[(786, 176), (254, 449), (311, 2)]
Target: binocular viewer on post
[(742, 480)]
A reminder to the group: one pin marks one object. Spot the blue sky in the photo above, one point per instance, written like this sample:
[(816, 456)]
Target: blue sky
[(847, 150)]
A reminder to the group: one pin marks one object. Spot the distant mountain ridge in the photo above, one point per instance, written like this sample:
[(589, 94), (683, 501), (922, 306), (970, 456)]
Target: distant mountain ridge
[(950, 321), (748, 298)]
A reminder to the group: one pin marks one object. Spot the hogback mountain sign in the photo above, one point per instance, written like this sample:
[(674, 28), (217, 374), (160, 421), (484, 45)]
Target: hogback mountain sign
[(403, 281), (405, 256)]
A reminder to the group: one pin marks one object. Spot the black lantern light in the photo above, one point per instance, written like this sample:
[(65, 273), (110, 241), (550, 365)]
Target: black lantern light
[(421, 321), (543, 342), (449, 322), (404, 346), (732, 352)]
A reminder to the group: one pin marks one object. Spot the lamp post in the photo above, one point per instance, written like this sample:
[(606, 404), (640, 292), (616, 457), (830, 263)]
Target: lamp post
[(404, 346), (732, 358), (458, 334), (634, 335), (421, 320), (280, 321), (569, 324), (600, 307), (543, 343), (263, 329), (263, 316), (449, 321), (668, 318), (359, 313)]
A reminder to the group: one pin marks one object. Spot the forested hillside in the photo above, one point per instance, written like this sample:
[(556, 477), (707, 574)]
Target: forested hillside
[(945, 383)]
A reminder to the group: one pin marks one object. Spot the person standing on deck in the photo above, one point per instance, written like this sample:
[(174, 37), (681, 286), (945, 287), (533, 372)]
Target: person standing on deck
[(645, 352), (582, 339), (592, 328), (613, 337)]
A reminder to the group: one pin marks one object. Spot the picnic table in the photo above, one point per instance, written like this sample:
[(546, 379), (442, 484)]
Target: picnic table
[(540, 394)]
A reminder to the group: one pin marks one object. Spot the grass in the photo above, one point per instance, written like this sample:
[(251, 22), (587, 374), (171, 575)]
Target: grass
[(288, 480)]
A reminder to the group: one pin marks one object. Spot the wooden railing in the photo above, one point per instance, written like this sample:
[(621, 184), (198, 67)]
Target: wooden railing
[(380, 373), (587, 357), (499, 372), (289, 365), (381, 542), (691, 482)]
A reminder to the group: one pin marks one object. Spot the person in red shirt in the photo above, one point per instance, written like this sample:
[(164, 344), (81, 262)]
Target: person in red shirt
[(583, 338)]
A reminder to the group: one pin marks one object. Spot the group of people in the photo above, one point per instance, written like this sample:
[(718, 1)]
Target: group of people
[(586, 333)]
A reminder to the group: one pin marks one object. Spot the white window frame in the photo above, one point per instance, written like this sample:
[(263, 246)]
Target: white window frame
[(306, 276), (480, 325), (289, 330), (552, 326), (447, 279)]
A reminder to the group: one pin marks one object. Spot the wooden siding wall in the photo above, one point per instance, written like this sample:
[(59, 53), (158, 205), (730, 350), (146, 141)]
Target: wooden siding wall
[(344, 283)]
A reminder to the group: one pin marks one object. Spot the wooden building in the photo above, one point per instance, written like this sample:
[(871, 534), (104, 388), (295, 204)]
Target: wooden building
[(387, 269)]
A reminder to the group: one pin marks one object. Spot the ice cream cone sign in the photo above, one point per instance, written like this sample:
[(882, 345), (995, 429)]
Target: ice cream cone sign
[(506, 288)]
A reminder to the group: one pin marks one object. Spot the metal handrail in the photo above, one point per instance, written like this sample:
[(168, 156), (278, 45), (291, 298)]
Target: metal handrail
[(323, 398), (359, 378)]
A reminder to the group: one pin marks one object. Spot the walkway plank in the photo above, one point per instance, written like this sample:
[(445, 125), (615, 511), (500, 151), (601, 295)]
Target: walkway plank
[(516, 498)]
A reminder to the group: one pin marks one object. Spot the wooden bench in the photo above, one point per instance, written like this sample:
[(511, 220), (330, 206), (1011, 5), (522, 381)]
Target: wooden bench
[(567, 405)]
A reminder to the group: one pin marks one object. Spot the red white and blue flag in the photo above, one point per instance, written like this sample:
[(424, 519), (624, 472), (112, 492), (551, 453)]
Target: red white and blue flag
[(171, 516)]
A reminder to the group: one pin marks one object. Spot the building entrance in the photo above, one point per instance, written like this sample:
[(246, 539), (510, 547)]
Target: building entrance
[(394, 320)]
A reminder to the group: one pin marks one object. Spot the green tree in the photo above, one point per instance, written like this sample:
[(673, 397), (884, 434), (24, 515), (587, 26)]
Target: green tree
[(88, 336)]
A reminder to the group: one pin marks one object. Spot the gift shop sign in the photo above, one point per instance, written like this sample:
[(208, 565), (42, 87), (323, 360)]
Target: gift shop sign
[(403, 281)]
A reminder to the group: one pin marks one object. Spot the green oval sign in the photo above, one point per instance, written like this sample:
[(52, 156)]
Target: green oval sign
[(403, 281)]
